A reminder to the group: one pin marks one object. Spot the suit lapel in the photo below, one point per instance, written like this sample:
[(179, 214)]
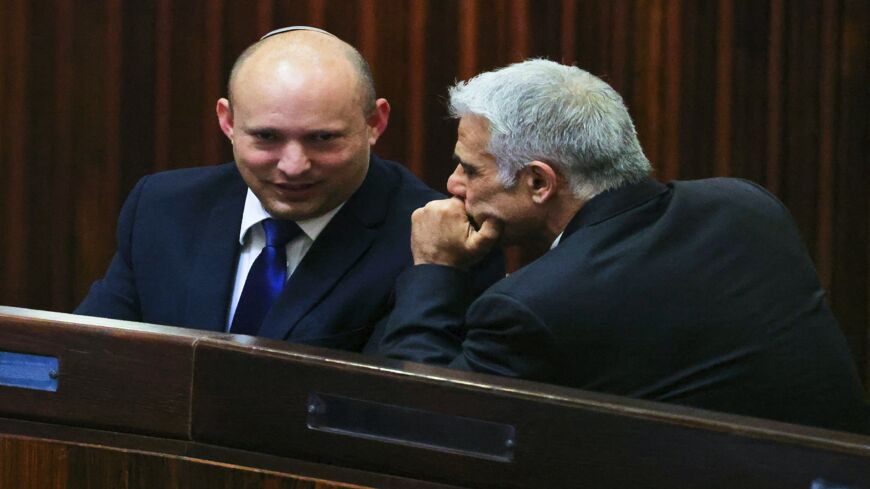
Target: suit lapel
[(336, 250), (213, 272), (341, 244)]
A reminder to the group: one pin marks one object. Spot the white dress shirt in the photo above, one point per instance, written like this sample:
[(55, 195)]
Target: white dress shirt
[(253, 239)]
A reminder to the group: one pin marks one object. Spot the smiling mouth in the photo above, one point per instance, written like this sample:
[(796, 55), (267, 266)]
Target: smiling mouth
[(294, 191), (295, 186)]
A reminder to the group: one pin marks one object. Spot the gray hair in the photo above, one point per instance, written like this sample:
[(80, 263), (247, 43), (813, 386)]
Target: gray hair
[(540, 110)]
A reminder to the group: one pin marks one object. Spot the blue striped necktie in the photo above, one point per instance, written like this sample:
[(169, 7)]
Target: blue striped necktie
[(266, 278)]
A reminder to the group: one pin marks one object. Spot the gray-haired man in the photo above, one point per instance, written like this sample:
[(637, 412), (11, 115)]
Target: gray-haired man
[(698, 293)]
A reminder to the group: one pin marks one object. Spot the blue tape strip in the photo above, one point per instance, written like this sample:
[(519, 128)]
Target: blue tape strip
[(36, 372)]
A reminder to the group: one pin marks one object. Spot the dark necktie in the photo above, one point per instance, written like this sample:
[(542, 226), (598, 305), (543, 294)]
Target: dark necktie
[(266, 278)]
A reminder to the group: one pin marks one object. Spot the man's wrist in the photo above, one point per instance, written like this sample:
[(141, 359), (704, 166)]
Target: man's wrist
[(437, 261), (461, 263)]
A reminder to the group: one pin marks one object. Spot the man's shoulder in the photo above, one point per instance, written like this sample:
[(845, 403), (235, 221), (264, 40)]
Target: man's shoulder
[(729, 196), (729, 188), (404, 185), (191, 184), (194, 188), (195, 177)]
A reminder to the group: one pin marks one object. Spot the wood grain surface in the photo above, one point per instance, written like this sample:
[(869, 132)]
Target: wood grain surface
[(94, 95)]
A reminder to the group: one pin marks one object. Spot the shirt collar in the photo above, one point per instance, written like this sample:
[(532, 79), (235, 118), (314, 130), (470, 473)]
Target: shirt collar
[(254, 213), (557, 240)]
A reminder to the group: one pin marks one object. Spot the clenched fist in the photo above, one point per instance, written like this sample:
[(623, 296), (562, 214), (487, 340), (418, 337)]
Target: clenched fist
[(442, 234)]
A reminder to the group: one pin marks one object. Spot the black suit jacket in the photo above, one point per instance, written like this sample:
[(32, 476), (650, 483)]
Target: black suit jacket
[(699, 293), (178, 247)]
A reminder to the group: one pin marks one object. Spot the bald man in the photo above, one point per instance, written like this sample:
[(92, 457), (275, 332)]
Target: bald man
[(302, 117)]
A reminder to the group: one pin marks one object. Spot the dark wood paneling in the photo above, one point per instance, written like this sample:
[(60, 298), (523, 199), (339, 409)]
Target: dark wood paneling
[(563, 438), (129, 379), (850, 279), (96, 94), (415, 57), (13, 122), (447, 52), (43, 464), (49, 456), (148, 406)]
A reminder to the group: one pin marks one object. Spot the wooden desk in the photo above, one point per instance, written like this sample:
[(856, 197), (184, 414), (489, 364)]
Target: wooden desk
[(146, 406)]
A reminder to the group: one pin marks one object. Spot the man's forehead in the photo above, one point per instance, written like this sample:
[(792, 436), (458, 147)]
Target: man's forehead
[(304, 52), (473, 135), (287, 76), (473, 123), (302, 58)]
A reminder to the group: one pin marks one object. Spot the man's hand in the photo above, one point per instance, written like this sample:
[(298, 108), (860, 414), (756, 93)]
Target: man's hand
[(442, 234)]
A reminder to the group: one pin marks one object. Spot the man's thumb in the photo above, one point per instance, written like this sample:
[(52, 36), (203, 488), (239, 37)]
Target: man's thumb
[(485, 237)]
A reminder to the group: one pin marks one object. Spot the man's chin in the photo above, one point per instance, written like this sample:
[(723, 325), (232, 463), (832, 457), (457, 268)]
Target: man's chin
[(292, 213)]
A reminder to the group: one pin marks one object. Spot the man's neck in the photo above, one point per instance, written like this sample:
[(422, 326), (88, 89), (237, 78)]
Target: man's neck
[(562, 213), (554, 223)]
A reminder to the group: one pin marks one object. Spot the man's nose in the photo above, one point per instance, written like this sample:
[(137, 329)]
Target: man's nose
[(294, 159), (456, 183)]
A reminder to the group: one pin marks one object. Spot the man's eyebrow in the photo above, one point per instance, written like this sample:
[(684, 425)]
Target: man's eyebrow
[(468, 168), (330, 130), (255, 128)]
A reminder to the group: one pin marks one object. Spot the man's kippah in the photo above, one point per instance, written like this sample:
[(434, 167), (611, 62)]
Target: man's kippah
[(296, 28)]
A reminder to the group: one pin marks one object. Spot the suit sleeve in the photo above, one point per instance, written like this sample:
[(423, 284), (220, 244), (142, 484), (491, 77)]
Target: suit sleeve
[(504, 337), (115, 295), (489, 271), (432, 323), (426, 324)]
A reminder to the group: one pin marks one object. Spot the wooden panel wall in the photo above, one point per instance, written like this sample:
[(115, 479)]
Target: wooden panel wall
[(95, 94), (43, 464)]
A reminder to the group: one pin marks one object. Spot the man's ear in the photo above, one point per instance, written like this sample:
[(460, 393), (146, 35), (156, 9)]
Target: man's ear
[(378, 120), (541, 180), (225, 117)]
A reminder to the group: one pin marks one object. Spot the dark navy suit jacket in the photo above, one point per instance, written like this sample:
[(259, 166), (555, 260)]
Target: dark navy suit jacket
[(178, 247), (699, 293)]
